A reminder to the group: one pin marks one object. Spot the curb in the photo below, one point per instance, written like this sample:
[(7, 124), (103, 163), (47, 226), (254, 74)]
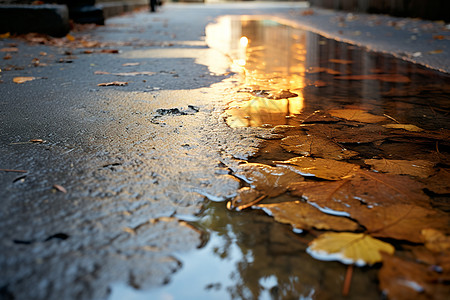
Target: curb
[(48, 18), (54, 19)]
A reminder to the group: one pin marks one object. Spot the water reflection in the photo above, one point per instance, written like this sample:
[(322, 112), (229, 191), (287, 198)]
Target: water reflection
[(322, 74)]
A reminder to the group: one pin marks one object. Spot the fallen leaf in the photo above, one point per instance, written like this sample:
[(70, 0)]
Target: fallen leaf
[(357, 115), (60, 188), (399, 221), (439, 183), (407, 127), (436, 241), (418, 168), (131, 64), (364, 188), (5, 35), (315, 146), (37, 141), (349, 248), (436, 51), (70, 37), (401, 279), (271, 181), (308, 12), (394, 78), (113, 51), (304, 216), (101, 73), (10, 49), (319, 167), (134, 73), (245, 198), (348, 134), (23, 79), (114, 83)]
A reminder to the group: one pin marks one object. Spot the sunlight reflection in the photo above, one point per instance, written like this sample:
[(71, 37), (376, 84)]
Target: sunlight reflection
[(271, 63)]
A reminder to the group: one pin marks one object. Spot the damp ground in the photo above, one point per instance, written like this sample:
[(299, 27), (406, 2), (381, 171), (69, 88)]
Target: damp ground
[(105, 186)]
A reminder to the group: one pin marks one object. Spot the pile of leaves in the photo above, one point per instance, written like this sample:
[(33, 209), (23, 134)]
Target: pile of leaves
[(362, 208)]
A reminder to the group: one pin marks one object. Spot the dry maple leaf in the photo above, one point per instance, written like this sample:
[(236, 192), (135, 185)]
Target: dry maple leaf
[(245, 198), (349, 248), (408, 127), (134, 73), (419, 168), (319, 167), (439, 183), (271, 181), (357, 115), (23, 79), (315, 146), (114, 83), (399, 221), (364, 188), (304, 216), (349, 134)]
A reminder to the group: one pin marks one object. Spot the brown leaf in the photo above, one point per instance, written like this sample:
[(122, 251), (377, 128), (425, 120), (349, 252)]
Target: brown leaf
[(358, 115), (368, 188), (418, 168), (101, 73), (395, 78), (348, 134), (304, 216), (401, 279), (439, 183), (436, 240), (245, 198), (315, 146), (9, 49), (113, 51), (114, 83), (60, 188), (322, 168), (399, 221), (23, 79), (134, 73), (270, 181)]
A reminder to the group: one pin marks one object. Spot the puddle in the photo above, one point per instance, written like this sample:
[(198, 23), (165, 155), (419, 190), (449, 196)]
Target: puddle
[(331, 91), (320, 74)]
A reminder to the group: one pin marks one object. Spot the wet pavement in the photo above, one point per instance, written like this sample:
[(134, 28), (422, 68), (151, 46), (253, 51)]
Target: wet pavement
[(111, 203)]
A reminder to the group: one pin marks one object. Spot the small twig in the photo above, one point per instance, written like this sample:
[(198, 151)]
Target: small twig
[(388, 116), (11, 170), (244, 206), (347, 281)]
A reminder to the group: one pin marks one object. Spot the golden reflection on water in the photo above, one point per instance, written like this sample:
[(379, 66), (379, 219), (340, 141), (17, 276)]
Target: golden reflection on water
[(269, 59)]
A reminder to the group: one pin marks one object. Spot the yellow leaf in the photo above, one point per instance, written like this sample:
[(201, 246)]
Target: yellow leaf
[(5, 35), (349, 248), (358, 115), (70, 37), (407, 127), (23, 79)]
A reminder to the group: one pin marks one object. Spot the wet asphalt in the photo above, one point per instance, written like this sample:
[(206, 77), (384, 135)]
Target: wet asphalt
[(99, 183)]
